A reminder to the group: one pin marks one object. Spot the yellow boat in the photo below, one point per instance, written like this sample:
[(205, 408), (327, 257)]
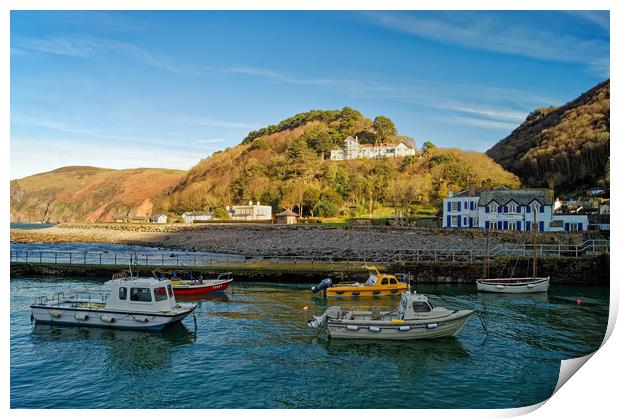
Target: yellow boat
[(377, 284)]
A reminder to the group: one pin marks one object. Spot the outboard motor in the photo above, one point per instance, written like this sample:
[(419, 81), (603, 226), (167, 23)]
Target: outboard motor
[(326, 283)]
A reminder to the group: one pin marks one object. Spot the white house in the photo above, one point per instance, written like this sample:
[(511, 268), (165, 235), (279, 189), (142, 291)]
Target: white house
[(508, 209), (603, 209), (352, 150), (190, 217), (159, 218), (460, 210), (250, 212)]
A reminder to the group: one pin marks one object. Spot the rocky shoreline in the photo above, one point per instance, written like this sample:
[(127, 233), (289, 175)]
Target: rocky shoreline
[(277, 240)]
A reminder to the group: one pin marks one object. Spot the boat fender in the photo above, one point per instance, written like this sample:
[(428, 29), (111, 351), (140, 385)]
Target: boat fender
[(499, 286), (404, 328), (355, 293), (431, 325), (376, 292), (107, 319), (339, 292), (142, 319), (374, 329), (352, 327), (55, 314), (396, 321), (530, 285), (81, 316)]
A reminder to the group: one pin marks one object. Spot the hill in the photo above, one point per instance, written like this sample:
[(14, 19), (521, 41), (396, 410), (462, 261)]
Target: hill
[(79, 193), (285, 165), (563, 147)]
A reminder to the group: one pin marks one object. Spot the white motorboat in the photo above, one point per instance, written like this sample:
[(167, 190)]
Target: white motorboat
[(133, 303), (415, 318)]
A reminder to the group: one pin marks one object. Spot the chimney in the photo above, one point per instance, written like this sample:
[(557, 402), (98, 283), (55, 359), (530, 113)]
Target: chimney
[(250, 203), (257, 202), (471, 188), (450, 193)]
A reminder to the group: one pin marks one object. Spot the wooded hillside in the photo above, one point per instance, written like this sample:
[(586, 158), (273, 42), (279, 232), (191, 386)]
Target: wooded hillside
[(566, 148), (287, 167)]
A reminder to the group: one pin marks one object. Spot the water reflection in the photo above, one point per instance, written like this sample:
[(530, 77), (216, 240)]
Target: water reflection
[(128, 350), (221, 297)]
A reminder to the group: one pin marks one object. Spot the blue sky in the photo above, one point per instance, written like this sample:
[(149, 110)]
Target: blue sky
[(166, 89)]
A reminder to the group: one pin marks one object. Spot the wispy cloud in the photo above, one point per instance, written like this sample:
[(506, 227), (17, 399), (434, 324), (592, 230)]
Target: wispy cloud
[(76, 47), (599, 17), (88, 47), (483, 123), (82, 131), (213, 122), (261, 72), (482, 31)]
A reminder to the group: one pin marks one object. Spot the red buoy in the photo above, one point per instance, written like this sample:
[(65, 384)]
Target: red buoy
[(578, 300)]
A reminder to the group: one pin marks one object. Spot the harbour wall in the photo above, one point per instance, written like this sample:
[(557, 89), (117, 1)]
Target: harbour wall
[(592, 270)]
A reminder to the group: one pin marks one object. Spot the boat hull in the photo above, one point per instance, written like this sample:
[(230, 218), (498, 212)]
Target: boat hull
[(201, 289), (512, 286), (362, 291), (433, 329), (106, 318)]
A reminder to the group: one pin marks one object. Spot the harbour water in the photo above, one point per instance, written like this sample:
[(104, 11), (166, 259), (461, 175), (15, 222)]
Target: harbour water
[(251, 348)]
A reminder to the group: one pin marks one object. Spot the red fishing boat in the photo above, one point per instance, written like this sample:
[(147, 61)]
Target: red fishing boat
[(199, 286)]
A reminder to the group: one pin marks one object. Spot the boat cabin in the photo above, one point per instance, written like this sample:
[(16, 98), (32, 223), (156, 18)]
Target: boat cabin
[(414, 306), (377, 278), (140, 294)]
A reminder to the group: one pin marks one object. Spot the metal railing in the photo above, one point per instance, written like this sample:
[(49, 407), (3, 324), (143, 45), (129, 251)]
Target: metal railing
[(181, 259)]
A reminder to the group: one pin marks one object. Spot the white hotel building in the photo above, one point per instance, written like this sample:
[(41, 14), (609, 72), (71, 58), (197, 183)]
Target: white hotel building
[(508, 209)]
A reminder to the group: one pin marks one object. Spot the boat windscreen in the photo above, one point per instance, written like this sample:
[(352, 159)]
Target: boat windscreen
[(372, 279)]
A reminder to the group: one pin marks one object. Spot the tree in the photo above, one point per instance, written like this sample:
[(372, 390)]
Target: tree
[(221, 213), (384, 129), (312, 196), (427, 146)]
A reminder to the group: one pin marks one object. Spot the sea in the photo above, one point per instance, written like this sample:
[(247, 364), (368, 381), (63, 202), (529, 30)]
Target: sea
[(251, 348)]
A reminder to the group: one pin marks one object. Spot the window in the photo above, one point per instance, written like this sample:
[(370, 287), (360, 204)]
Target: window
[(421, 307), (122, 293), (493, 207), (512, 225), (160, 294), (393, 281), (384, 281), (170, 293), (474, 222), (512, 207), (141, 294), (455, 221), (473, 205), (535, 207), (493, 225), (466, 205)]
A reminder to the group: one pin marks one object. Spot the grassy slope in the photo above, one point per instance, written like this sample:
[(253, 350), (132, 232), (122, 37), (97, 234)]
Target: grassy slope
[(79, 193)]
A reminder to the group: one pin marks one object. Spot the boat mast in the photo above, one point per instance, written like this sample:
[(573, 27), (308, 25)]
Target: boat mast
[(534, 228), (486, 259)]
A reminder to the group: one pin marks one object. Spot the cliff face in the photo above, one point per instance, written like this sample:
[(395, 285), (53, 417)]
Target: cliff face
[(79, 193), (564, 147)]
